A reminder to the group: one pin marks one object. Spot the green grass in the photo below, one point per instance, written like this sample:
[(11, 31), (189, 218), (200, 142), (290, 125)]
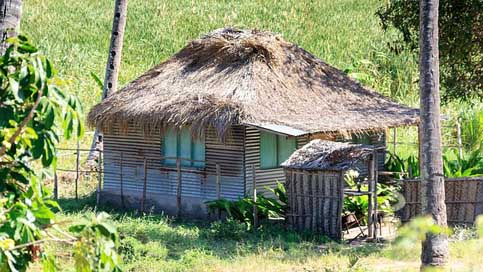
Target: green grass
[(157, 243)]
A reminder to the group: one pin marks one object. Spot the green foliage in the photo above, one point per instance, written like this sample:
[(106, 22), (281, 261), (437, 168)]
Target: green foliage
[(404, 168), (454, 166), (33, 110), (358, 205), (459, 42), (472, 129), (242, 209), (470, 165), (95, 249)]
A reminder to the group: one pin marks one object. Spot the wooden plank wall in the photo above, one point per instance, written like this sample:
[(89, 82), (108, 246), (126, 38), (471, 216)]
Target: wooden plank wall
[(136, 145), (315, 200), (464, 199)]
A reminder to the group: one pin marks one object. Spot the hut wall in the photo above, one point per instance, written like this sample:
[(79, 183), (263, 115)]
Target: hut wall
[(315, 200), (197, 185), (264, 177)]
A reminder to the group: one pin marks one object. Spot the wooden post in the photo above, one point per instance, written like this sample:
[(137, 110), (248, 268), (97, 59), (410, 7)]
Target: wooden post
[(458, 135), (394, 130), (255, 212), (218, 187), (56, 185), (99, 178), (77, 171), (374, 192), (420, 153), (121, 179), (143, 198), (370, 198), (178, 189)]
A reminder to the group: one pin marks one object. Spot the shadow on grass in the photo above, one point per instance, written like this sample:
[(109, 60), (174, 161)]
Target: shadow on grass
[(147, 235)]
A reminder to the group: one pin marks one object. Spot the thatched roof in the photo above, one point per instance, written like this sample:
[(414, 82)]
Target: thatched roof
[(251, 77), (327, 155)]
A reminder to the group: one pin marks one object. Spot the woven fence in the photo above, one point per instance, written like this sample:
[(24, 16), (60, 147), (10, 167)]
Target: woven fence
[(315, 200), (464, 199)]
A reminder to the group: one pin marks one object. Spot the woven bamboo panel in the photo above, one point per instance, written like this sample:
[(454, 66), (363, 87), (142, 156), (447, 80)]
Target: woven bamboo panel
[(463, 197), (315, 201)]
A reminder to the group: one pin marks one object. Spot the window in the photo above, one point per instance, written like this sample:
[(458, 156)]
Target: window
[(361, 139), (275, 149), (180, 144)]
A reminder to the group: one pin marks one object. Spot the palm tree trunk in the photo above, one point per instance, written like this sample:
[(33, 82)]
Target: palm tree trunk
[(113, 64), (435, 247), (10, 14)]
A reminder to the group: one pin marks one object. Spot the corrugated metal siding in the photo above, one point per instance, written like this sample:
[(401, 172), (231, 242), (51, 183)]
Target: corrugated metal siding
[(135, 146), (264, 177)]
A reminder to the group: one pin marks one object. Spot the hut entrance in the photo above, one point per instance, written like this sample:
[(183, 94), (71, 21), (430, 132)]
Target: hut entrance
[(316, 186)]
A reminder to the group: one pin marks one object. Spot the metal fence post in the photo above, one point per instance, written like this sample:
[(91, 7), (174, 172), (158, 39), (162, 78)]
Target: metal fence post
[(56, 185), (77, 171), (121, 180), (143, 198), (459, 140), (255, 212), (218, 187), (99, 177), (178, 189)]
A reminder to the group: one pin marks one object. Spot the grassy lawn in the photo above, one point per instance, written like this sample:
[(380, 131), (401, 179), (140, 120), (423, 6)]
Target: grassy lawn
[(158, 243)]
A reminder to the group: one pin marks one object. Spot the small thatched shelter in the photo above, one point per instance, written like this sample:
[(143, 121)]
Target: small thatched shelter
[(236, 98), (315, 184), (328, 156)]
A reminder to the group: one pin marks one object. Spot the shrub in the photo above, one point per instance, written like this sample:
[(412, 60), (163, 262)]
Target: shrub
[(242, 209)]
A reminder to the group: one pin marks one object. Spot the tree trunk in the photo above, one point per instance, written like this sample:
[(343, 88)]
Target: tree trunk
[(10, 14), (113, 63), (435, 247)]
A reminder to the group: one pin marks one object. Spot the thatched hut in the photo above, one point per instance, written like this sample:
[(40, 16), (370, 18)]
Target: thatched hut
[(240, 99)]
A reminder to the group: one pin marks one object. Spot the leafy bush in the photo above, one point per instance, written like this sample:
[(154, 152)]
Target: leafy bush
[(408, 167), (470, 165), (242, 209), (31, 108), (358, 205)]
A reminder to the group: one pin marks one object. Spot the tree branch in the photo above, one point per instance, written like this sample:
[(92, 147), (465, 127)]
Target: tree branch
[(25, 121)]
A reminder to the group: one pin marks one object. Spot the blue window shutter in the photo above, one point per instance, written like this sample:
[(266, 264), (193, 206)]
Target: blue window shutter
[(170, 146), (268, 150), (198, 151), (184, 146), (286, 146)]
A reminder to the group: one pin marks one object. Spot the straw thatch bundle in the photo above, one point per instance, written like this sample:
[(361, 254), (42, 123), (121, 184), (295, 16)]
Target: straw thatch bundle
[(327, 155), (233, 76)]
